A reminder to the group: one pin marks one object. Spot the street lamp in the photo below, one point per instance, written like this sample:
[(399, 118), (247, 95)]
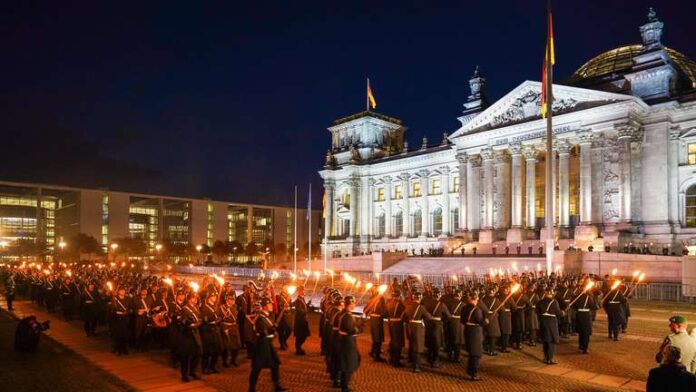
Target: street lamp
[(198, 257), (114, 246), (234, 252), (158, 248)]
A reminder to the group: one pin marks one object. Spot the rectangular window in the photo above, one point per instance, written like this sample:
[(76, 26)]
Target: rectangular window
[(416, 189), (397, 192), (380, 194), (692, 153), (455, 184), (435, 187)]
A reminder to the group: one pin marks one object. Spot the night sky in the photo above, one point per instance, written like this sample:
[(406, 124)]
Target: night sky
[(232, 101)]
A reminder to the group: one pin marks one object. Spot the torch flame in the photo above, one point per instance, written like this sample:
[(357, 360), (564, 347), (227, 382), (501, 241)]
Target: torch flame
[(316, 274), (368, 286), (220, 280), (454, 278), (616, 285), (641, 277), (194, 286), (110, 286), (589, 285), (168, 281), (635, 274), (291, 289), (614, 271), (293, 276), (467, 269), (382, 289), (515, 288), (69, 273)]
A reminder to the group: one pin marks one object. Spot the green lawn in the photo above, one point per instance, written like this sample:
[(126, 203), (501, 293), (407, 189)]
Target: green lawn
[(51, 368)]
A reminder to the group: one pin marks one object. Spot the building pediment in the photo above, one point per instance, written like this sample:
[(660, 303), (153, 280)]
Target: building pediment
[(524, 104)]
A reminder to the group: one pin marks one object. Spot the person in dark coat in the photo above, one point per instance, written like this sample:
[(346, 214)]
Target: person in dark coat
[(505, 319), (454, 327), (348, 357), (176, 329), (473, 320), (121, 311), (142, 307), (519, 303), (67, 299), (89, 305), (10, 288), (210, 334), (549, 313), (531, 318), (613, 305), (301, 327), (333, 347), (231, 342), (376, 310), (264, 355), (189, 349), (284, 318), (395, 311), (434, 328), (489, 303), (583, 306), (670, 375), (415, 316), (28, 333)]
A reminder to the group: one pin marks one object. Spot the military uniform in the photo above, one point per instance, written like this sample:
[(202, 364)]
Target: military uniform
[(549, 313), (473, 320), (301, 327), (615, 312), (434, 328), (189, 349), (492, 330), (395, 311), (142, 307), (415, 316), (376, 310), (284, 319), (120, 323), (264, 355), (231, 342), (90, 308), (583, 307), (211, 338), (348, 356), (454, 328)]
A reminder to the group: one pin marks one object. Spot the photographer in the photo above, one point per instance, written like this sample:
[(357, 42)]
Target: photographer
[(28, 333)]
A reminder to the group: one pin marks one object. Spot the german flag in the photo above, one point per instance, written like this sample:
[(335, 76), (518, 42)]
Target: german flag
[(371, 103), (549, 61)]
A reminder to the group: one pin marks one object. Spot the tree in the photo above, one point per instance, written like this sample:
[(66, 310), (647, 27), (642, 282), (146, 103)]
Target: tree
[(235, 247), (251, 250), (219, 250), (80, 244), (131, 247)]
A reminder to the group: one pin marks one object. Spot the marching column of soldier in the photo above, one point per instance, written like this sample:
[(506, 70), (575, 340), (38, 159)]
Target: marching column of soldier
[(204, 326)]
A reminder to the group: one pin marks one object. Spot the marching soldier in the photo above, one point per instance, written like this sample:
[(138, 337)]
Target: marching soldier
[(349, 358), (415, 315), (142, 307), (455, 328), (505, 319), (10, 288), (376, 310), (210, 334), (531, 318), (434, 328), (230, 332), (89, 305), (583, 306), (563, 296), (549, 313), (176, 329), (284, 322), (301, 328), (190, 345), (489, 303), (121, 310), (334, 348), (519, 302), (264, 355), (395, 311), (473, 320), (67, 299), (613, 306)]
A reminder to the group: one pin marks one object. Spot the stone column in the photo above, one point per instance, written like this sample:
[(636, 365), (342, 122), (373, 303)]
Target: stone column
[(585, 141), (462, 160), (354, 195), (425, 208), (563, 183), (516, 179), (626, 134), (328, 218), (487, 156), (444, 187), (405, 194), (387, 206), (530, 156), (473, 190), (368, 224), (502, 190), (672, 172)]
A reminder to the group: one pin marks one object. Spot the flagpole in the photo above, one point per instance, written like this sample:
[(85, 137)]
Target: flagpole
[(309, 217), (367, 96), (550, 158), (294, 248)]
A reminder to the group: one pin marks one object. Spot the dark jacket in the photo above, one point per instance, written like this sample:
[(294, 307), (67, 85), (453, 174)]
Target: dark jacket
[(670, 378)]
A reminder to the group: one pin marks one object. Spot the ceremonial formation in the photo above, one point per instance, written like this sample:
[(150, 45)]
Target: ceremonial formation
[(203, 324)]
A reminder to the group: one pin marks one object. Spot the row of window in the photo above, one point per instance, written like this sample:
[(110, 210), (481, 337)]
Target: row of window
[(435, 189)]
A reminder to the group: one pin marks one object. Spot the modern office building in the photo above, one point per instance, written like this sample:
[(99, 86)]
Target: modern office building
[(48, 214)]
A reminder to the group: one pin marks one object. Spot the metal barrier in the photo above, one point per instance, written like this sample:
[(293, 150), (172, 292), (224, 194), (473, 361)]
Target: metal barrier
[(663, 292)]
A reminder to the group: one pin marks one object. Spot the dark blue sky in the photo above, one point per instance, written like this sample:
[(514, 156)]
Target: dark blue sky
[(231, 100)]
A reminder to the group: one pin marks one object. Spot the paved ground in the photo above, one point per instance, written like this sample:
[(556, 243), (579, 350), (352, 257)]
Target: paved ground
[(610, 366)]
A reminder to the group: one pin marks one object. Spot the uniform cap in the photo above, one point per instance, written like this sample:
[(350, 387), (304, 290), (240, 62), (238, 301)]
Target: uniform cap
[(349, 300), (678, 319), (264, 301)]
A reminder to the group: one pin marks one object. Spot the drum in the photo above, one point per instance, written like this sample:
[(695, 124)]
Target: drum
[(159, 320)]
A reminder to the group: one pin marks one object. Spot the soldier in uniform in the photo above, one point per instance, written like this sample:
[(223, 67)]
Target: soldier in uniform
[(395, 311), (210, 334), (142, 307), (284, 318), (10, 287), (531, 318), (230, 332), (334, 348), (583, 307), (121, 310), (505, 319), (455, 328), (434, 329), (489, 303), (301, 328), (89, 304), (264, 355), (67, 299), (50, 294), (176, 329), (376, 310), (563, 297), (348, 357), (473, 320), (415, 316), (613, 305), (549, 313), (190, 346), (518, 302)]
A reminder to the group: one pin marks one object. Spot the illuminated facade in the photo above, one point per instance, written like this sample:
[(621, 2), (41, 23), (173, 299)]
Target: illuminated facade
[(109, 215), (624, 163)]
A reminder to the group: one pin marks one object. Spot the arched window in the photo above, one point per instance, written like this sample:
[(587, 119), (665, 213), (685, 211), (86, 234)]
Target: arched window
[(379, 226), (345, 199), (417, 223), (437, 222), (690, 204), (398, 224), (454, 221)]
